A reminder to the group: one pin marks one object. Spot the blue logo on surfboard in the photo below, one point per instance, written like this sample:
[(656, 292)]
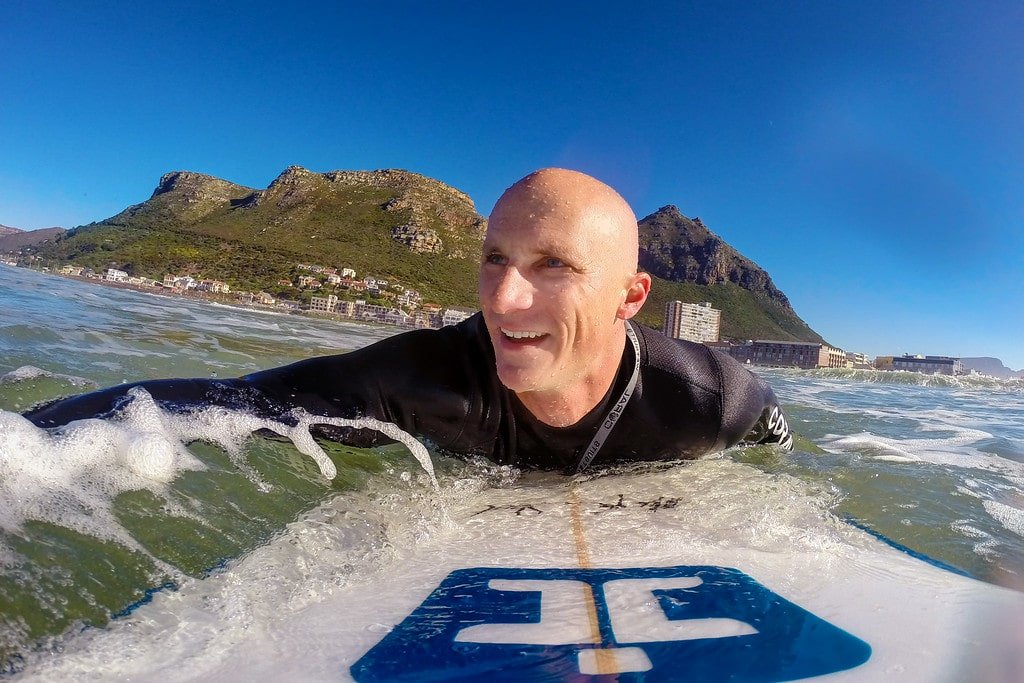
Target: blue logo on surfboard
[(648, 624)]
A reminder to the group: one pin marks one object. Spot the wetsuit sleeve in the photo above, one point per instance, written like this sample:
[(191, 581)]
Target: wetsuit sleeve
[(174, 394), (751, 413), (417, 380)]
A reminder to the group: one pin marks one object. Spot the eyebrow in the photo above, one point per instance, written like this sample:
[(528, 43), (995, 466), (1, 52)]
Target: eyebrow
[(546, 248)]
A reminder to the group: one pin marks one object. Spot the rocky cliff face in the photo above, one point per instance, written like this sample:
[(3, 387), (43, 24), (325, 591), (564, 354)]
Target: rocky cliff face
[(185, 197), (293, 187), (676, 248), (198, 188), (430, 207)]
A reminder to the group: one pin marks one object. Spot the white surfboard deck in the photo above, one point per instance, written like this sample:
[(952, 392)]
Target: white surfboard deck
[(703, 590)]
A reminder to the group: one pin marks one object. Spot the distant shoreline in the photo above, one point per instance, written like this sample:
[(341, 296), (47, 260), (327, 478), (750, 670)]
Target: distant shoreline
[(230, 302), (212, 298)]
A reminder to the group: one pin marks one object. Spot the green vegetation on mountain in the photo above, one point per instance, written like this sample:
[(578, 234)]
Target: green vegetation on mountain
[(745, 315), (395, 225), (202, 226)]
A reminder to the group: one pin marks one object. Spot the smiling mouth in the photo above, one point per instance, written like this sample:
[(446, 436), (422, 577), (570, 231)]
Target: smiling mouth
[(521, 336)]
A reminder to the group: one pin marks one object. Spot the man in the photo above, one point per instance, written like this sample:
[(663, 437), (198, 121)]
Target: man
[(550, 375)]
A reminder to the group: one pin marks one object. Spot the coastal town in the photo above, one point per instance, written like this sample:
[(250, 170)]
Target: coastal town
[(339, 293), (702, 323), (317, 290)]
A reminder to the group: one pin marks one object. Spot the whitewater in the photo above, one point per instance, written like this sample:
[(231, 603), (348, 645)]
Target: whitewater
[(152, 545)]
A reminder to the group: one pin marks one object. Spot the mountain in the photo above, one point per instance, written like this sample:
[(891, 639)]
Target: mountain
[(991, 366), (692, 264), (13, 240), (391, 223), (397, 225)]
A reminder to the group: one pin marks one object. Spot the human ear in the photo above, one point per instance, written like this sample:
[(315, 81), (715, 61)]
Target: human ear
[(636, 293)]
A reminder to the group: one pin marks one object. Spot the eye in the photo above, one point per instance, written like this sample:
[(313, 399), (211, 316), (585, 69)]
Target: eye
[(495, 259), (552, 262)]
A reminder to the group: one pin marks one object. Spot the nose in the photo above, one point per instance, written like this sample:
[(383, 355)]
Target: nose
[(511, 291)]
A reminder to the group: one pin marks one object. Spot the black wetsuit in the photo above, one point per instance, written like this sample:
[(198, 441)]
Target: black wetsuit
[(442, 385)]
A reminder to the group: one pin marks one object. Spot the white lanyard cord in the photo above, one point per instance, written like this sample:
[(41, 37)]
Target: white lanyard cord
[(613, 416)]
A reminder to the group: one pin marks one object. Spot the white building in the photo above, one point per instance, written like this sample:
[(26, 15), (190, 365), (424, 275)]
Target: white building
[(366, 311), (323, 304), (425, 320), (179, 282), (857, 360), (454, 316), (410, 298), (215, 286), (397, 317), (115, 275), (696, 322)]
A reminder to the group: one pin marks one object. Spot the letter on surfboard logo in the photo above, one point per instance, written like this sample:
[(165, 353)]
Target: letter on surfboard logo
[(650, 624)]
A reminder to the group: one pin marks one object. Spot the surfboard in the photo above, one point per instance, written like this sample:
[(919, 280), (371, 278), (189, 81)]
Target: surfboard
[(707, 570), (645, 576)]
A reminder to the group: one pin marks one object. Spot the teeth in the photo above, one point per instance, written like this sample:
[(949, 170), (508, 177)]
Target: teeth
[(521, 335)]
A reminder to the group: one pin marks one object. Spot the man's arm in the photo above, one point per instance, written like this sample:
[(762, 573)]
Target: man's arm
[(771, 428), (751, 412), (419, 381), (172, 393)]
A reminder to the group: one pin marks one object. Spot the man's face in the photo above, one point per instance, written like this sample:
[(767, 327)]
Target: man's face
[(552, 280)]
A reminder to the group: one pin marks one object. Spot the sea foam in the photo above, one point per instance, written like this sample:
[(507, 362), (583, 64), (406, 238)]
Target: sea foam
[(70, 475)]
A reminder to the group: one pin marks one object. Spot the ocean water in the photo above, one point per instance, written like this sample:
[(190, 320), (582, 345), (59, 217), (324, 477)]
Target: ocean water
[(100, 521)]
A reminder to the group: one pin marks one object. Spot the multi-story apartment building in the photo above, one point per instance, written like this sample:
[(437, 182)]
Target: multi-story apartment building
[(398, 317), (367, 311), (696, 322), (323, 304), (807, 355), (858, 360), (929, 365)]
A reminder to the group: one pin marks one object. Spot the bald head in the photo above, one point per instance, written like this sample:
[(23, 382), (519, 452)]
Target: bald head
[(574, 199), (558, 280)]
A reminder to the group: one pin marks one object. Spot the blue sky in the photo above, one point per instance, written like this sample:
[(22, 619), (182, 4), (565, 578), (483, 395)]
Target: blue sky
[(870, 156)]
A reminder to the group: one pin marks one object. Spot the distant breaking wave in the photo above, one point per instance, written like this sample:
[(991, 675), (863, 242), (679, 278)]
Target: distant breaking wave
[(908, 378)]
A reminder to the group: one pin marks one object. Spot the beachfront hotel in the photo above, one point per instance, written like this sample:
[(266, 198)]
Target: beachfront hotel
[(929, 365), (695, 322), (786, 354)]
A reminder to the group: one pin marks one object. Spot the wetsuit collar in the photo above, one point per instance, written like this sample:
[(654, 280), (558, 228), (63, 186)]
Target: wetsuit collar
[(613, 415)]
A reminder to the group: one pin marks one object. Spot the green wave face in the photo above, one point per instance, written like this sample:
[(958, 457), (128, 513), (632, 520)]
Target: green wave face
[(63, 571)]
